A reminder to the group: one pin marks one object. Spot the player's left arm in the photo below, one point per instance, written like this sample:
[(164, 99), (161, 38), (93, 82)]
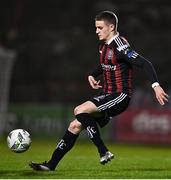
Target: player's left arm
[(134, 58), (161, 96)]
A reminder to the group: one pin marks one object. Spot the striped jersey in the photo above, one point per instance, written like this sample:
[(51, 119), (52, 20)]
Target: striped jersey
[(116, 60)]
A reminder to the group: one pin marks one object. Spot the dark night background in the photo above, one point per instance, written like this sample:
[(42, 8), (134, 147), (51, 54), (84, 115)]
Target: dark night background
[(56, 44)]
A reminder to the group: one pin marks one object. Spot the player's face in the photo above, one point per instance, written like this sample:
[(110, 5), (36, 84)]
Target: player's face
[(104, 30)]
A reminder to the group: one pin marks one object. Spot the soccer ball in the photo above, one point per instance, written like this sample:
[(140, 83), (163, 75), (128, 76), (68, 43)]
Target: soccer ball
[(19, 140)]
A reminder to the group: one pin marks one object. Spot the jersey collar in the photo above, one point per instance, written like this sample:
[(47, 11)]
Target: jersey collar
[(112, 38)]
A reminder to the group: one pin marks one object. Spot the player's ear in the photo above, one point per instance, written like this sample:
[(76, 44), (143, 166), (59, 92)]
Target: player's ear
[(112, 27)]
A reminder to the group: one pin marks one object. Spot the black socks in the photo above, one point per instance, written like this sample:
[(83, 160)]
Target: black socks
[(65, 144), (91, 127), (68, 140)]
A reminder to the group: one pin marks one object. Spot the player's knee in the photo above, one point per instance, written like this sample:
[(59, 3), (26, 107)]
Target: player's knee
[(75, 127), (78, 110)]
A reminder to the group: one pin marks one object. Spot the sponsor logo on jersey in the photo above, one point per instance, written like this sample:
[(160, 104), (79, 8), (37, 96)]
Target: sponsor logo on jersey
[(108, 67)]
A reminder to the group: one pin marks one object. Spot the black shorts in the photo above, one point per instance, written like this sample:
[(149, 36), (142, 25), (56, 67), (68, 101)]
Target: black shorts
[(109, 105)]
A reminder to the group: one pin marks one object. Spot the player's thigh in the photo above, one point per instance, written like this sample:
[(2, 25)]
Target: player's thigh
[(111, 104), (118, 108), (86, 107)]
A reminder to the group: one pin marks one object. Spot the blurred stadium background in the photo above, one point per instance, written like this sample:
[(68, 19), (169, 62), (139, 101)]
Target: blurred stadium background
[(48, 47)]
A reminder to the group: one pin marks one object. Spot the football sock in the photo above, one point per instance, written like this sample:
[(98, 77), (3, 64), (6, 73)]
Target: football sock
[(93, 132), (65, 144)]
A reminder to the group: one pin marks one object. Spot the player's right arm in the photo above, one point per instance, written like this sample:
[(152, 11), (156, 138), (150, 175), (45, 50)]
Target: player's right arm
[(92, 77), (94, 83)]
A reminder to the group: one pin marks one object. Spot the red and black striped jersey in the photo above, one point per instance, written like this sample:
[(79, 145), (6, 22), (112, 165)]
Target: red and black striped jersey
[(116, 60)]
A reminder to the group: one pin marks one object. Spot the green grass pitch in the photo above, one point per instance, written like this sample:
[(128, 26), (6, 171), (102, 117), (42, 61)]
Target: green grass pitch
[(82, 162)]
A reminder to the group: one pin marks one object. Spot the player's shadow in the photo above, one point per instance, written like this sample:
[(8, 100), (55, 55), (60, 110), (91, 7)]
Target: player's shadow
[(12, 174)]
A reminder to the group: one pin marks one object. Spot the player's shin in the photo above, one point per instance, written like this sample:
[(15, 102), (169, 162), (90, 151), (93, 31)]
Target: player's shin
[(93, 132), (65, 144)]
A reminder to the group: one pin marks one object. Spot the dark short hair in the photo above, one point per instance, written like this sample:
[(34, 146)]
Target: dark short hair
[(109, 17)]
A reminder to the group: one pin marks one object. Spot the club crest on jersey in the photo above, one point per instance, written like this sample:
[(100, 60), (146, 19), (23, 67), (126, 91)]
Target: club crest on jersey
[(110, 54)]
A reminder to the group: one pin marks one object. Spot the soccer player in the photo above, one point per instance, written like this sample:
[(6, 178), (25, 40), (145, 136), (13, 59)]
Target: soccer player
[(117, 59)]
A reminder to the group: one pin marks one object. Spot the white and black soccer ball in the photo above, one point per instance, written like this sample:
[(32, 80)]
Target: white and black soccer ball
[(19, 140)]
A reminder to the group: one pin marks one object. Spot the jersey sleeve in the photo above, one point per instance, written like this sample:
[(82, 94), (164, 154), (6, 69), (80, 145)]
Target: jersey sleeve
[(136, 59), (97, 71)]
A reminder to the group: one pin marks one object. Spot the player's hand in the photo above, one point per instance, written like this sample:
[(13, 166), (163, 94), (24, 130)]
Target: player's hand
[(93, 83), (161, 96)]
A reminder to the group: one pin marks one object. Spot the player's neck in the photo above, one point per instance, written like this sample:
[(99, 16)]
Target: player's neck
[(112, 37)]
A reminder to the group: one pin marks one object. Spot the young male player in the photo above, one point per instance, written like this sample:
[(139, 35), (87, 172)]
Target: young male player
[(117, 59)]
